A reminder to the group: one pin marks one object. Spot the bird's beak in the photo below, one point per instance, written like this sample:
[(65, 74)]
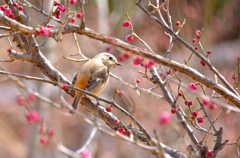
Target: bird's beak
[(118, 64)]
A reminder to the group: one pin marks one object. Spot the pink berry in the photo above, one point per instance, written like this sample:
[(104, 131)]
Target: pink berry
[(21, 100), (137, 60), (205, 100), (192, 86), (129, 38), (126, 24), (44, 31), (64, 86), (61, 8), (44, 140), (50, 131), (32, 116), (178, 23), (120, 93), (7, 11), (72, 20), (50, 26), (212, 106), (78, 14), (73, 1), (86, 153), (31, 96), (164, 117), (126, 55), (120, 58)]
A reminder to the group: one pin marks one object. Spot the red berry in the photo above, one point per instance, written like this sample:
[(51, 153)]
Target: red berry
[(64, 86), (180, 94), (117, 121), (15, 4), (209, 154), (194, 40), (121, 130), (50, 26), (202, 63), (20, 7), (109, 108), (129, 38), (148, 63), (120, 93), (209, 52), (200, 120), (173, 111), (178, 23), (196, 48), (194, 113), (137, 81), (188, 102), (11, 16), (126, 24), (55, 3)]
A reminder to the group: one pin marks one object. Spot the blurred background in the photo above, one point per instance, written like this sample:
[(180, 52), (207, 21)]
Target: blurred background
[(219, 22)]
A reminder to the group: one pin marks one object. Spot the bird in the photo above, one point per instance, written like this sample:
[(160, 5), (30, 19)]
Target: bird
[(93, 75)]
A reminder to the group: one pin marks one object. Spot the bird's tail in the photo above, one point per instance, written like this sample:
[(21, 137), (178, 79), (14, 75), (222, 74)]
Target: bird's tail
[(75, 103)]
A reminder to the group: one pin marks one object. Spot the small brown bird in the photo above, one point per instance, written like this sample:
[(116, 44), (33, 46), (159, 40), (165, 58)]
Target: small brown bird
[(93, 75)]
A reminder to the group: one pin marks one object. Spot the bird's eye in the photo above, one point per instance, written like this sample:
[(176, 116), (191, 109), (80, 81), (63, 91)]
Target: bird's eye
[(110, 58)]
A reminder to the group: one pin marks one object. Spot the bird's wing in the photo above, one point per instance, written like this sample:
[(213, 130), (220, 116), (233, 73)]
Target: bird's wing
[(97, 79)]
